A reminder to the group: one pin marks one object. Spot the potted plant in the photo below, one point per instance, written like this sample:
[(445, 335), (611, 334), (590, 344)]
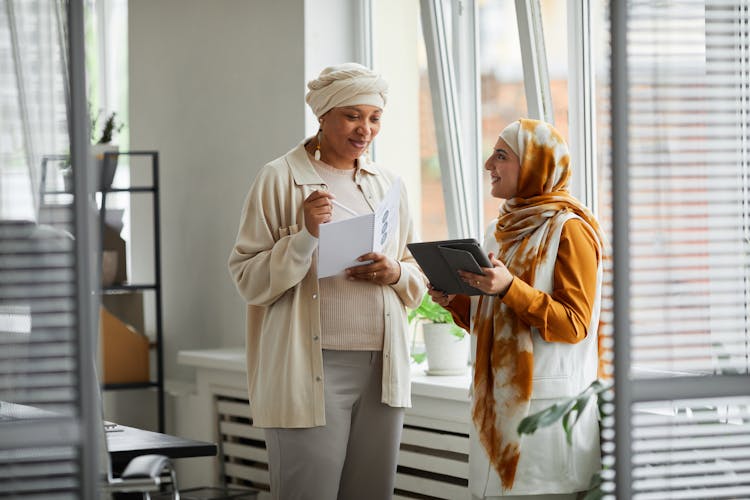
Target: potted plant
[(67, 175), (446, 344), (102, 144)]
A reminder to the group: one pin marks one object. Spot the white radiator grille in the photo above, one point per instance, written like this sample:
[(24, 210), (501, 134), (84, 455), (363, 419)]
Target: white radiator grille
[(242, 454), (432, 463)]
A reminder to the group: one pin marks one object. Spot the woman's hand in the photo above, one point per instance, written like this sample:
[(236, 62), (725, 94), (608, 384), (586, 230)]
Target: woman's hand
[(381, 271), (318, 209), (439, 297), (495, 281)]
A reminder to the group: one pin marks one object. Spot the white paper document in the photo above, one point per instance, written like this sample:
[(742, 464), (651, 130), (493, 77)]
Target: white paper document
[(341, 242)]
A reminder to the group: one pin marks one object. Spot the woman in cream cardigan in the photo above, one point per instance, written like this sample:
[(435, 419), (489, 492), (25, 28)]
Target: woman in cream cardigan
[(536, 329), (327, 359)]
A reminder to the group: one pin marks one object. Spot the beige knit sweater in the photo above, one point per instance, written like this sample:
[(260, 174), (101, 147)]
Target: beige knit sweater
[(340, 297)]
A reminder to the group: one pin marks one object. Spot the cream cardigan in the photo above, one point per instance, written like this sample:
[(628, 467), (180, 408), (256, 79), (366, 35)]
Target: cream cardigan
[(273, 264)]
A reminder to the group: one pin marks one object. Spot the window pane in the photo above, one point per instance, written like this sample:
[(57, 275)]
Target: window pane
[(501, 70), (555, 23), (433, 224)]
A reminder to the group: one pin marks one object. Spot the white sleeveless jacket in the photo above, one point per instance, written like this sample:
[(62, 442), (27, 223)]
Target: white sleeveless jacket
[(548, 464)]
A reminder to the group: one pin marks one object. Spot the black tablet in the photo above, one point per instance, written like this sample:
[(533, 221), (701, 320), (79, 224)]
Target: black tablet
[(441, 260)]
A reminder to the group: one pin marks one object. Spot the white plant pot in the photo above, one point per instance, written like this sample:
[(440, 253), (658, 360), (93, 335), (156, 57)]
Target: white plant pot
[(105, 166), (446, 353)]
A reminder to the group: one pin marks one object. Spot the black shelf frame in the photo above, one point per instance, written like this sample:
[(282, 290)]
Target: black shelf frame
[(129, 385), (153, 189), (129, 287)]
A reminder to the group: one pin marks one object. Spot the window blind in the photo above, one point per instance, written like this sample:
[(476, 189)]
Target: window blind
[(46, 450), (686, 225), (691, 449)]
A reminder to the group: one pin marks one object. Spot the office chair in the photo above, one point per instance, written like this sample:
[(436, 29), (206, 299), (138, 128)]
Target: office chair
[(144, 474)]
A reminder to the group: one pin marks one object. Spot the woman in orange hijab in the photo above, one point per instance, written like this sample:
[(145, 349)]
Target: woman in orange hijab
[(536, 327)]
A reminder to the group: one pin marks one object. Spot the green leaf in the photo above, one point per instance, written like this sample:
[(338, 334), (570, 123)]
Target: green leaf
[(429, 310), (544, 418), (564, 411), (457, 332), (419, 357), (569, 411), (595, 487)]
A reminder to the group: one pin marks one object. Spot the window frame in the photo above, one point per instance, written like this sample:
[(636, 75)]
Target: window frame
[(534, 60), (461, 194), (456, 99), (581, 103)]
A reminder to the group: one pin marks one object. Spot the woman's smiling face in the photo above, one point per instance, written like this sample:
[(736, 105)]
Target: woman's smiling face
[(347, 132), (504, 168)]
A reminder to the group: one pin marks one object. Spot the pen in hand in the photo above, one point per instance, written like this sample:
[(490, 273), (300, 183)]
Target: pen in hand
[(343, 207)]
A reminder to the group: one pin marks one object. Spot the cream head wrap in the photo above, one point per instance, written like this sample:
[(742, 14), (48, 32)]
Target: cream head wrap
[(347, 84), (510, 136)]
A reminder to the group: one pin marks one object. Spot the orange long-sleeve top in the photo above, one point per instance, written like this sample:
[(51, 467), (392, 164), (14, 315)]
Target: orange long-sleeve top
[(563, 315)]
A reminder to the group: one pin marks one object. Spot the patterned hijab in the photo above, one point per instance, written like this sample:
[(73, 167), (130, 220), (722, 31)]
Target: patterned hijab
[(526, 227)]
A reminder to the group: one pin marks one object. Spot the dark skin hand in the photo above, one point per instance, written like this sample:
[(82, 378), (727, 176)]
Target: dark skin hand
[(381, 271), (318, 210)]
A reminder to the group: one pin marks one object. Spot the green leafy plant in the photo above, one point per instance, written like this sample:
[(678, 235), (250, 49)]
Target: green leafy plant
[(568, 412), (111, 127), (430, 311)]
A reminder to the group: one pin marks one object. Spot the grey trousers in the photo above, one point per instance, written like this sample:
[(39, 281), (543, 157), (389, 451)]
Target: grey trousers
[(354, 455)]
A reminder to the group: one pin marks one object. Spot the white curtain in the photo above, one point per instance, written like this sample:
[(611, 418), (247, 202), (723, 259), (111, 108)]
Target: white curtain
[(33, 101)]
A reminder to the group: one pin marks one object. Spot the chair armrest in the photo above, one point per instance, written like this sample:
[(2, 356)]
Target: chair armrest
[(146, 466)]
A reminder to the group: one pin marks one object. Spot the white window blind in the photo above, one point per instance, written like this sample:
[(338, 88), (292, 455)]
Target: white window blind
[(48, 444), (681, 204)]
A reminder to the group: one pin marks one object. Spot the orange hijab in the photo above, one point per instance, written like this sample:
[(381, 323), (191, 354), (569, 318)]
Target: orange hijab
[(526, 226)]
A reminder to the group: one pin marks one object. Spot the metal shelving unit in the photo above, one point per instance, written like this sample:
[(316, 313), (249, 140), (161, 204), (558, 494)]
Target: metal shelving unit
[(154, 286)]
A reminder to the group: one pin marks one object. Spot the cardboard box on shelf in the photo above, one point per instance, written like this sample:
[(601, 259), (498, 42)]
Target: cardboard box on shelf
[(127, 305), (111, 240), (124, 352)]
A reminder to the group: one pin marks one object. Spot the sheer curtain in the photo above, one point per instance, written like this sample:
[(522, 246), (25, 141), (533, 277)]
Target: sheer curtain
[(33, 101)]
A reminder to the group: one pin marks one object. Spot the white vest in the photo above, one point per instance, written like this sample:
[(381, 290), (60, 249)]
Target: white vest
[(548, 464)]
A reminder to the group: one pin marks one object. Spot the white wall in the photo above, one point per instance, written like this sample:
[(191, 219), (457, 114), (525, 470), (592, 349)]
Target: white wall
[(217, 87), (330, 38)]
